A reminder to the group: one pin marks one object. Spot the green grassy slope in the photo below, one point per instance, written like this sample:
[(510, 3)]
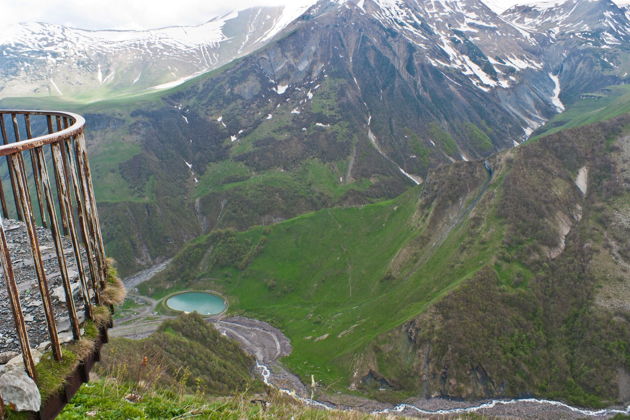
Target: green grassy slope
[(333, 280), (186, 369), (543, 316), (340, 282), (151, 201), (186, 353), (590, 108)]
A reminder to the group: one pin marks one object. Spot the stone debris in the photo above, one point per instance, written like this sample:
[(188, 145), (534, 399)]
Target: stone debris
[(19, 391), (30, 298), (16, 387), (18, 363), (6, 356)]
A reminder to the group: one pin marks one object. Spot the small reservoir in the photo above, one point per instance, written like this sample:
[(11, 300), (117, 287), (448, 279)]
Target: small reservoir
[(201, 302)]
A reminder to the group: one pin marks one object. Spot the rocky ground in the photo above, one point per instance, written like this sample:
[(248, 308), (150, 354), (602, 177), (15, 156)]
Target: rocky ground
[(30, 298), (267, 344)]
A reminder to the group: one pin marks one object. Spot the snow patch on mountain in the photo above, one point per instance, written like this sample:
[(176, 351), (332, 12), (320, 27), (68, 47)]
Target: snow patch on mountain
[(175, 83), (82, 60), (281, 88), (37, 36), (594, 21), (291, 11), (475, 40), (555, 99), (54, 85)]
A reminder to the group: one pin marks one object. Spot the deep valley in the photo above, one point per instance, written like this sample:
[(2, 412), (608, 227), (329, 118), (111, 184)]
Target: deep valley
[(408, 201)]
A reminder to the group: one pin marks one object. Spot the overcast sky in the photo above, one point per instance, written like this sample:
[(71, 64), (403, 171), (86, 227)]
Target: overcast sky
[(136, 14)]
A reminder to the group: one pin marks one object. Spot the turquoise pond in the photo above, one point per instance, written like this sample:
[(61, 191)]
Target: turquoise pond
[(200, 302)]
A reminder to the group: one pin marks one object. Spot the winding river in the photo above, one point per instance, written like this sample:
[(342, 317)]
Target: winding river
[(486, 405), (268, 345)]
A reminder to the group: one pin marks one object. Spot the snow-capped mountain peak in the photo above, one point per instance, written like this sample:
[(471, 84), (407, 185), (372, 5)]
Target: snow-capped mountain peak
[(598, 22), (49, 59), (463, 36)]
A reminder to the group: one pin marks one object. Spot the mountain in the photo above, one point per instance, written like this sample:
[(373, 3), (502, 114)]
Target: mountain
[(362, 181), (39, 59), (352, 102), (586, 42), (601, 21), (483, 282)]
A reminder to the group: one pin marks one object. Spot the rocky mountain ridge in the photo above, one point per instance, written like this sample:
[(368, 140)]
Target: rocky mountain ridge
[(39, 59)]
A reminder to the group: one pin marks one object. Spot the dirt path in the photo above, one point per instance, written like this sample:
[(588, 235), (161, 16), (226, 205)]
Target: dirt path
[(267, 343), (144, 275), (136, 330)]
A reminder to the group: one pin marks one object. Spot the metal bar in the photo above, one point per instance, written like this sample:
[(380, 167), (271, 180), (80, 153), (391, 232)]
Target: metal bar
[(63, 149), (83, 225), (76, 128), (16, 132), (68, 217), (62, 204), (99, 232), (88, 193), (18, 166), (3, 201), (14, 301), (36, 172), (5, 140), (16, 127), (61, 259)]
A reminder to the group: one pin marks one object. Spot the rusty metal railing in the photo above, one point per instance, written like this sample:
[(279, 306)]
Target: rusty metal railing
[(35, 142)]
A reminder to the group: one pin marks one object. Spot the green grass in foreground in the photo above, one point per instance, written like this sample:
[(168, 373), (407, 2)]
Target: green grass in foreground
[(111, 400)]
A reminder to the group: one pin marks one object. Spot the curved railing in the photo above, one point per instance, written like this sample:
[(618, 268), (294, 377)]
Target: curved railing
[(35, 143)]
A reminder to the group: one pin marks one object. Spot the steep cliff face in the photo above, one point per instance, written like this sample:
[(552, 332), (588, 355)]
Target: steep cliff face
[(544, 315)]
